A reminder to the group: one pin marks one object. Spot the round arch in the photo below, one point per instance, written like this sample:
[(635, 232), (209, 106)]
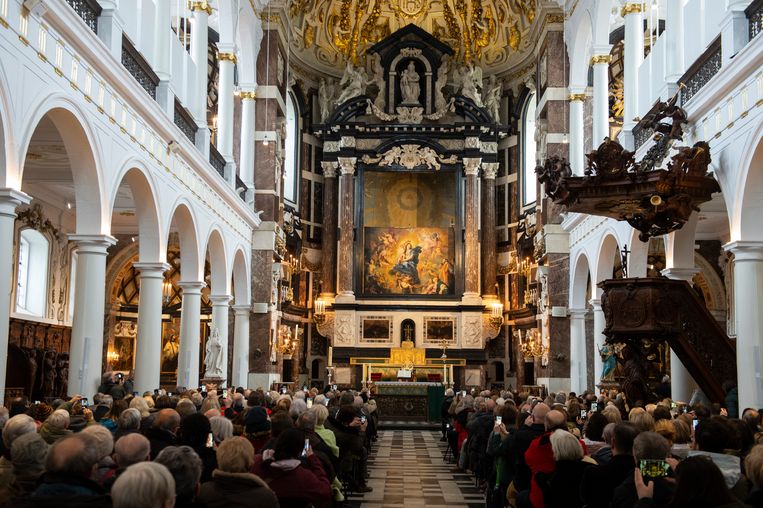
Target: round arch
[(241, 289), (748, 207), (580, 278), (249, 40), (579, 52), (9, 169), (152, 245), (84, 159), (218, 262), (605, 263), (191, 269)]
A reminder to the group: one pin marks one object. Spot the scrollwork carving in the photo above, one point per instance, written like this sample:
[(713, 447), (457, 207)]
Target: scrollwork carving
[(410, 157)]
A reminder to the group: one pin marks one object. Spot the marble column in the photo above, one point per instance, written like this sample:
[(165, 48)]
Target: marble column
[(199, 50), (600, 124), (598, 338), (241, 346), (226, 61), (346, 229), (86, 349), (220, 304), (161, 63), (148, 345), (634, 55), (578, 351), (328, 243), (489, 268), (674, 49), (246, 157), (577, 134), (471, 215), (748, 294), (190, 330), (9, 200)]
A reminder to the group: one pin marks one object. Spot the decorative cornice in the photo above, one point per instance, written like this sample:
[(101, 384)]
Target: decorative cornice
[(411, 156), (472, 165), (347, 165), (601, 59), (329, 169), (248, 96), (227, 57), (631, 8), (489, 170), (202, 5), (576, 97)]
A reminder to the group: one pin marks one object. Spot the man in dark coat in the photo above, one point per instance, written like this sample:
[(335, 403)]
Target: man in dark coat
[(647, 445), (534, 427), (444, 412), (162, 431), (599, 482), (350, 438)]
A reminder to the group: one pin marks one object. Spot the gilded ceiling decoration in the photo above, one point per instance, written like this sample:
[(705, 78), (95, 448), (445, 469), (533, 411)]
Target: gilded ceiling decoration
[(489, 33)]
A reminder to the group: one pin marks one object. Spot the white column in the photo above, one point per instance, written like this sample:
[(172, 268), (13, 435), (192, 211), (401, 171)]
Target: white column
[(748, 295), (86, 350), (241, 346), (578, 351), (634, 55), (674, 47), (226, 59), (577, 136), (246, 158), (220, 304), (190, 330), (110, 27), (600, 63), (682, 385), (162, 66), (199, 40), (598, 338), (735, 29), (9, 200), (148, 346)]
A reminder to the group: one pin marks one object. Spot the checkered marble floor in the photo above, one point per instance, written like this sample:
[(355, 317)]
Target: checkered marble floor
[(407, 470)]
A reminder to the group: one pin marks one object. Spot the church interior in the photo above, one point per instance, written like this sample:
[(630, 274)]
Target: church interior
[(391, 196)]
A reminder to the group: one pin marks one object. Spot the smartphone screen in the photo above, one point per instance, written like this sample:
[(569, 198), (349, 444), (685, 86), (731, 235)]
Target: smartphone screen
[(694, 423), (283, 390), (654, 468), (326, 402), (309, 403), (583, 414), (498, 420), (463, 393), (594, 406), (134, 394), (84, 402), (363, 419)]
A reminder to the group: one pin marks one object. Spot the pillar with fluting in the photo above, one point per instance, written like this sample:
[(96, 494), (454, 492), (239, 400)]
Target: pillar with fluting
[(346, 229), (489, 269), (226, 60), (748, 293), (86, 347), (577, 134), (220, 304), (246, 157), (328, 243), (471, 215), (199, 55), (598, 338), (148, 345), (9, 200), (240, 346), (190, 330), (600, 124), (634, 55), (578, 352), (161, 64)]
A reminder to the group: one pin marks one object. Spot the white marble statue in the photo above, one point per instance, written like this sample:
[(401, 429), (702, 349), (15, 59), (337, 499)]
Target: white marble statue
[(492, 97), (378, 80), (470, 80), (439, 86), (354, 82), (409, 85), (213, 360), (325, 96)]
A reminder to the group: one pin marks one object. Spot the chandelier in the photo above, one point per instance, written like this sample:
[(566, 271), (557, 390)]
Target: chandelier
[(287, 344), (320, 311), (532, 345)]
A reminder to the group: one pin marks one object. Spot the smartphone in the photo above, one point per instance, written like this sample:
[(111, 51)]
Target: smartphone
[(156, 392), (673, 405), (37, 402), (594, 406), (134, 394), (84, 402), (363, 419), (283, 390), (304, 388), (225, 395), (463, 393), (653, 468), (498, 420), (447, 425), (583, 414), (694, 424), (326, 402), (307, 447), (169, 394), (333, 387), (309, 403)]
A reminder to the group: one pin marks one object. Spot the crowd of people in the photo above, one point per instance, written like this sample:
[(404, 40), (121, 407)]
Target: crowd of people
[(565, 450), (195, 448)]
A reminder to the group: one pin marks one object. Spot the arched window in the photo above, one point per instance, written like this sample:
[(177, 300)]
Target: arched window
[(529, 153), (32, 273), (291, 162)]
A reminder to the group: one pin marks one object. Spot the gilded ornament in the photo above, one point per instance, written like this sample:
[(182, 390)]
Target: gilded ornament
[(601, 59), (226, 57), (631, 8), (573, 97), (200, 6), (248, 96)]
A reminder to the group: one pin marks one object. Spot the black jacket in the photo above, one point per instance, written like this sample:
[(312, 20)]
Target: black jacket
[(560, 487), (520, 442), (599, 482), (625, 495), (64, 491), (159, 439)]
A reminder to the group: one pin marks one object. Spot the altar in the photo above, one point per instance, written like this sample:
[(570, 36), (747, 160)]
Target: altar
[(409, 401)]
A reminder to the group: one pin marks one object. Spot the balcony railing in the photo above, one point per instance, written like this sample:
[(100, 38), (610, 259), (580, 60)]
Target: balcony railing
[(641, 135), (217, 160), (241, 188), (185, 122), (136, 65), (88, 10), (706, 66), (754, 13)]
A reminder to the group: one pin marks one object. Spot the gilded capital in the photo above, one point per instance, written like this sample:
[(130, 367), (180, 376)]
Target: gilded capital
[(631, 8), (227, 57), (248, 96), (601, 59), (202, 5), (472, 165), (489, 170), (329, 169), (576, 97), (347, 165)]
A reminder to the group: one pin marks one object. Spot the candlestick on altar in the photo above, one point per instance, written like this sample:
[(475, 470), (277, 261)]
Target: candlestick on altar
[(331, 356)]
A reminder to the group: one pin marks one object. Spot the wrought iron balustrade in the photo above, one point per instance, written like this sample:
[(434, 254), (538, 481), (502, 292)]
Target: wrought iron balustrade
[(706, 66), (185, 122), (136, 65), (88, 10), (217, 160), (641, 135), (754, 13)]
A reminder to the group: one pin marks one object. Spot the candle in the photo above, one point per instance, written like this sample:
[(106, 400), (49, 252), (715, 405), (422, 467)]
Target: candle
[(331, 356)]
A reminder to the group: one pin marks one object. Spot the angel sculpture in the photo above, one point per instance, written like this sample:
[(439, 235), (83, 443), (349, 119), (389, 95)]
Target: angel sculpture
[(378, 80), (353, 81), (471, 81), (325, 95), (492, 97), (439, 86)]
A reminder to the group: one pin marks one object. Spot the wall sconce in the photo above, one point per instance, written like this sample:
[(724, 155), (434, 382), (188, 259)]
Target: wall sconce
[(320, 311), (496, 314)]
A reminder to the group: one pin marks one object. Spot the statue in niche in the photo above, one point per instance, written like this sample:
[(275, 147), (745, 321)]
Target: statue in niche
[(471, 80), (48, 373), (31, 357), (62, 372), (213, 359), (378, 80), (439, 86), (353, 81), (409, 85), (492, 97)]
